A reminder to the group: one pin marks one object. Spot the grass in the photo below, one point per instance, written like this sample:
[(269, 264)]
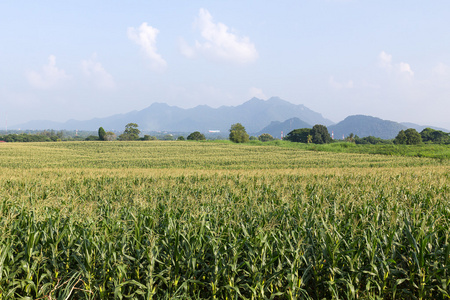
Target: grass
[(206, 220)]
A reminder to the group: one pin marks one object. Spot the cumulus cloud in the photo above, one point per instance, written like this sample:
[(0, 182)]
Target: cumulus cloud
[(94, 71), (219, 42), (145, 37), (256, 92), (50, 76), (385, 62), (338, 85)]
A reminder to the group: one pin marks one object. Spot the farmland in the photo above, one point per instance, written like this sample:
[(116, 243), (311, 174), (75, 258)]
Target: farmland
[(193, 220)]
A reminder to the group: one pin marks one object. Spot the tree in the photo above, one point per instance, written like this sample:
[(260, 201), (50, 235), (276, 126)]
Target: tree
[(101, 134), (400, 139), (350, 138), (180, 138), (238, 133), (91, 138), (196, 136), (298, 135), (435, 136), (131, 132), (412, 137), (110, 136), (320, 134), (149, 138), (167, 137), (265, 137)]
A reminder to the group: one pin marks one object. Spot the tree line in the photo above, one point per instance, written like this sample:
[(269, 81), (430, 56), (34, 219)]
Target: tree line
[(318, 134)]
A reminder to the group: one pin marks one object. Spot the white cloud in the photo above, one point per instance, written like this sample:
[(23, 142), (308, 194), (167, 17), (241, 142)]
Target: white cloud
[(145, 36), (50, 77), (94, 70), (385, 61), (256, 92), (337, 85), (219, 43)]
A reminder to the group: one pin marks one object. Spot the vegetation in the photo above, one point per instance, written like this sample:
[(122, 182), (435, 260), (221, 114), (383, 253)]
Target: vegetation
[(409, 136), (320, 134), (238, 134), (206, 220), (131, 132), (317, 135), (435, 136), (101, 134), (196, 136), (299, 135), (110, 136), (265, 137)]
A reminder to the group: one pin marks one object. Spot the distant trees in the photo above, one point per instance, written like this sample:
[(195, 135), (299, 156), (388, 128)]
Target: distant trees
[(131, 132), (110, 136), (149, 138), (370, 140), (409, 136), (320, 134), (180, 138), (265, 137), (299, 135), (317, 135), (101, 134), (238, 133), (430, 135), (91, 138), (400, 139), (196, 136)]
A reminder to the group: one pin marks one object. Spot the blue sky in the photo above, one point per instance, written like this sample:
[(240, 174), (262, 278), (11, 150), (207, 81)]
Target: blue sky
[(63, 60)]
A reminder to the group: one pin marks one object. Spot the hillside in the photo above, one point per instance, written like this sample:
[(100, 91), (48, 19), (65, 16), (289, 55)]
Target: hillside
[(275, 128), (362, 126)]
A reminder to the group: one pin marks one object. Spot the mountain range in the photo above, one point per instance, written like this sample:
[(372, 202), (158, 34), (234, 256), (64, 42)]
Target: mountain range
[(272, 116), (253, 114)]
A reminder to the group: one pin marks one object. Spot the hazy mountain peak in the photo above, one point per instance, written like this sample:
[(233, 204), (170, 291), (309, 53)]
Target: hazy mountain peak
[(253, 114)]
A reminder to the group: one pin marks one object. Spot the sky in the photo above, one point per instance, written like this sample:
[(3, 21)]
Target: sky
[(62, 60)]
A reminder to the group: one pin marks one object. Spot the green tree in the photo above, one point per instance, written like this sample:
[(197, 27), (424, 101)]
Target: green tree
[(167, 137), (238, 133), (180, 138), (435, 136), (149, 138), (196, 136), (400, 139), (298, 135), (320, 134), (350, 138), (101, 134), (131, 132), (412, 137), (90, 138), (265, 137)]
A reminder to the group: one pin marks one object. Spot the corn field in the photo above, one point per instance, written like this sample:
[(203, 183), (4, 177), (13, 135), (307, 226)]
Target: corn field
[(185, 220)]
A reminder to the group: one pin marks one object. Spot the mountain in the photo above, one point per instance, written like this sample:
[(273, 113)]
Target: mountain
[(276, 127), (363, 126), (419, 128), (253, 114)]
